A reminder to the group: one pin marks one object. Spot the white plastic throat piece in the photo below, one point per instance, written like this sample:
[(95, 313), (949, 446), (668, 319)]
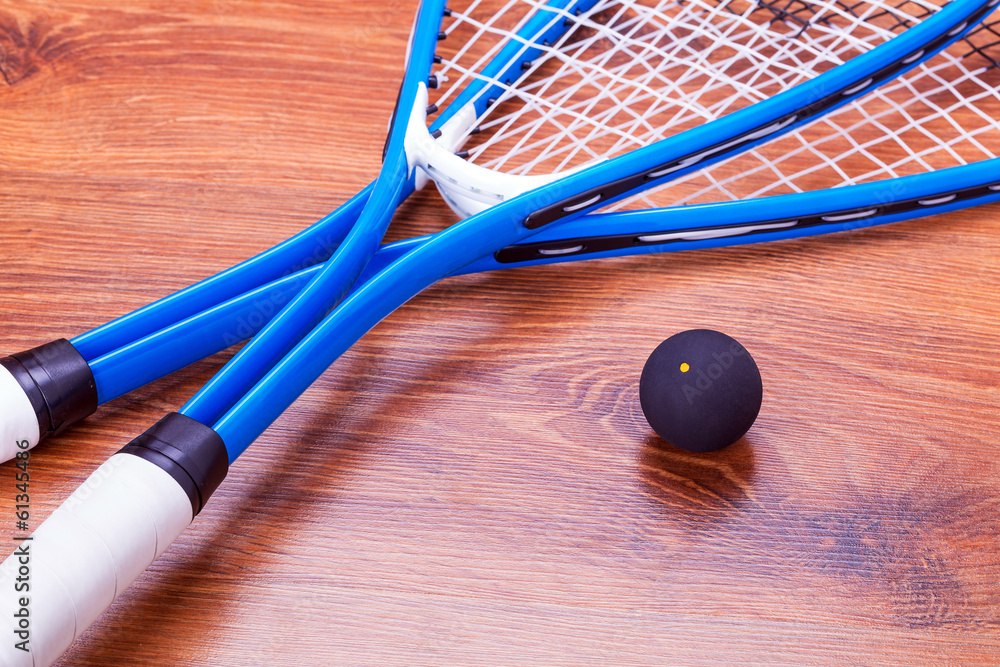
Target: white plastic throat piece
[(467, 188)]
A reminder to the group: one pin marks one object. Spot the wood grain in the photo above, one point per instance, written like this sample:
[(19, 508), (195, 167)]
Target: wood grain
[(474, 482)]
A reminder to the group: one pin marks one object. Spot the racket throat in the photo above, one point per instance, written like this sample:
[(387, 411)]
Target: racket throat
[(466, 187)]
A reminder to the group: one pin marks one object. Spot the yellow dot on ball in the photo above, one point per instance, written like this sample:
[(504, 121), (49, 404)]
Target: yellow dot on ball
[(685, 368)]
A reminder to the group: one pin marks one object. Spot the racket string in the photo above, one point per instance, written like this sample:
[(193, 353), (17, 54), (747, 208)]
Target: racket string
[(681, 53), (626, 74), (984, 43)]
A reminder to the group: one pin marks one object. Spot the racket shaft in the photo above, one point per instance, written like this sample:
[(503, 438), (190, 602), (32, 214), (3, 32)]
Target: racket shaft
[(326, 288), (681, 228), (310, 246)]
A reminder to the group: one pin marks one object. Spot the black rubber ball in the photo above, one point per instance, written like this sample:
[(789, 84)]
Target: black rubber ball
[(700, 390)]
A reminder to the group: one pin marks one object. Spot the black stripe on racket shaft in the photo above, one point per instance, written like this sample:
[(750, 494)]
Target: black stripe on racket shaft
[(431, 83), (392, 121), (526, 252), (596, 196)]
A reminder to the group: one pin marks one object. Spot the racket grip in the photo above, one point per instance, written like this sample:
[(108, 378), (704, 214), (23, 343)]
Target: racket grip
[(61, 578), (42, 391)]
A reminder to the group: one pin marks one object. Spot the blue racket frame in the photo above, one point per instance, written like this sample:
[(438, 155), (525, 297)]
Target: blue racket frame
[(146, 332), (519, 218), (309, 247), (590, 237)]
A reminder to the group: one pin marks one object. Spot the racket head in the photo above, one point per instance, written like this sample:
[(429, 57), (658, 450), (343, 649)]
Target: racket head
[(514, 219), (559, 115)]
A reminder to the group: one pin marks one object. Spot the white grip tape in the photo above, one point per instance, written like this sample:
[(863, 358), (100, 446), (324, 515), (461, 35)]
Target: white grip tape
[(18, 422), (84, 555)]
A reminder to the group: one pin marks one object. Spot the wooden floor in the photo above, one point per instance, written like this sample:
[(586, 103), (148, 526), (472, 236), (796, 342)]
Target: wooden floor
[(474, 483)]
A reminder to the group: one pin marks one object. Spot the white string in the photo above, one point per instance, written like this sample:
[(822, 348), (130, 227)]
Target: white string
[(629, 73)]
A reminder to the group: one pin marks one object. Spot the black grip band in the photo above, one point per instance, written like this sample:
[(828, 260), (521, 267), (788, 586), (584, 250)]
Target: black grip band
[(58, 382), (192, 453)]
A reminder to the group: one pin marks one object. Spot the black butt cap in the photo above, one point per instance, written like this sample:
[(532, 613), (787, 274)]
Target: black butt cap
[(58, 382), (192, 453)]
